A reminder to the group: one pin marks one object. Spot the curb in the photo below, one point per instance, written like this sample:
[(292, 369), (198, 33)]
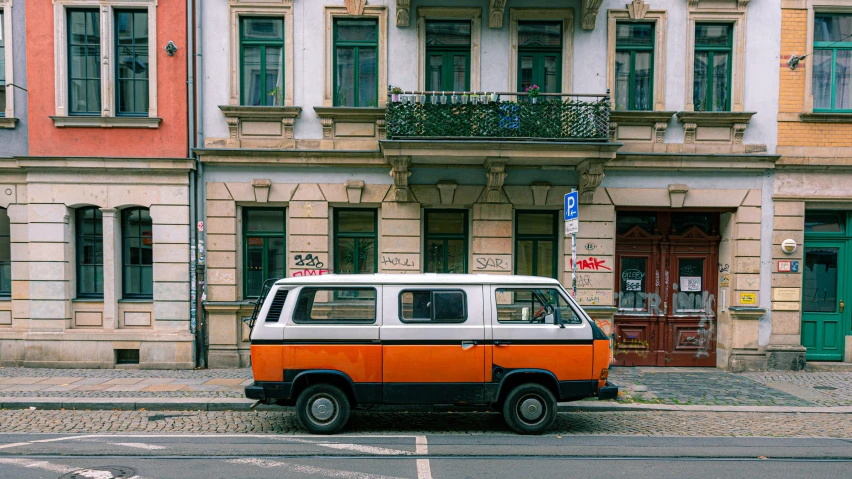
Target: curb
[(235, 404)]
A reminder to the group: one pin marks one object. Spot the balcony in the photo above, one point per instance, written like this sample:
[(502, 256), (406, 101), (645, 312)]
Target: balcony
[(498, 116)]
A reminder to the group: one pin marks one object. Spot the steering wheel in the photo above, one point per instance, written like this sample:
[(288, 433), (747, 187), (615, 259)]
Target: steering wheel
[(538, 317)]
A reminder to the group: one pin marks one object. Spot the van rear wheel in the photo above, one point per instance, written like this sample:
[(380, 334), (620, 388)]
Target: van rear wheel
[(322, 409), (530, 409)]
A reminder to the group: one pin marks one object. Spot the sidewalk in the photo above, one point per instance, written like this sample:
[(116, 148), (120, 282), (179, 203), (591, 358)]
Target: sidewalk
[(642, 389)]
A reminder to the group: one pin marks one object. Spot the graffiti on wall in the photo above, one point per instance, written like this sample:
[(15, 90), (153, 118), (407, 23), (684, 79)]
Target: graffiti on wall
[(590, 264)]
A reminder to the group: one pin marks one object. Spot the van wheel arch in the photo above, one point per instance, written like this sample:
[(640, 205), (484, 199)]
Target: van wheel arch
[(305, 379), (523, 376)]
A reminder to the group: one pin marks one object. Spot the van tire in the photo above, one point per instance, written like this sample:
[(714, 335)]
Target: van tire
[(322, 409), (540, 409)]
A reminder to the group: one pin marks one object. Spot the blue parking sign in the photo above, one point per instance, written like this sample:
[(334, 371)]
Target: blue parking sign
[(572, 210)]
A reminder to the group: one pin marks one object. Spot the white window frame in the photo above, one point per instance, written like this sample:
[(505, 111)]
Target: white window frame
[(566, 16), (474, 14), (109, 107), (8, 120)]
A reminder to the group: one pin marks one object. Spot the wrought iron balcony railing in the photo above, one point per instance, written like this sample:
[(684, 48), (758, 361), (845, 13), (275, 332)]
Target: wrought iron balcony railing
[(501, 116)]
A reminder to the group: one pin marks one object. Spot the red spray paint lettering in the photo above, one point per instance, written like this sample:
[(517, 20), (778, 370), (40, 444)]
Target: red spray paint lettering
[(591, 264)]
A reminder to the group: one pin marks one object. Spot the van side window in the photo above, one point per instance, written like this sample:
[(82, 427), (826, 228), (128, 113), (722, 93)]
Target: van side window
[(435, 306), (336, 305), (533, 306)]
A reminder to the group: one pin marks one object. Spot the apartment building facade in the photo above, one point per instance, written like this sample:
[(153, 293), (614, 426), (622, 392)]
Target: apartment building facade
[(313, 163)]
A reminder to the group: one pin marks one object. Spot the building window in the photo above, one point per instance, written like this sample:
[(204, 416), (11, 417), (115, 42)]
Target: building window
[(536, 243), (832, 63), (263, 243), (356, 68), (355, 241), (84, 54), (540, 56), (712, 67), (138, 257), (446, 241), (5, 254), (90, 253), (448, 55), (262, 61), (131, 46), (634, 66)]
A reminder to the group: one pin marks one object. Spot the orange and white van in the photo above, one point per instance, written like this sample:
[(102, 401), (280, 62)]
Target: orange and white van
[(325, 344)]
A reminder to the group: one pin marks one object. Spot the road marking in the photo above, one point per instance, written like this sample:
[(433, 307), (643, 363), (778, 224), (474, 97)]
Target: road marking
[(47, 466), (54, 439), (424, 469), (4, 446), (267, 464), (137, 445), (383, 451)]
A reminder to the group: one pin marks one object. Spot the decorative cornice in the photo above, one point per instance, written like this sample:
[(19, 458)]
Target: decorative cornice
[(261, 112), (496, 176), (826, 117), (355, 7), (495, 13), (403, 13), (400, 173), (590, 13), (591, 176), (350, 113), (105, 122)]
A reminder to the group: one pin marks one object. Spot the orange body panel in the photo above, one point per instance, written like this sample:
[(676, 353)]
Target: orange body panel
[(603, 358), (267, 362), (362, 363), (434, 364), (567, 362)]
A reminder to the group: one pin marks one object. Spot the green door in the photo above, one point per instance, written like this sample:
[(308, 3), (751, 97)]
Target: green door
[(823, 299)]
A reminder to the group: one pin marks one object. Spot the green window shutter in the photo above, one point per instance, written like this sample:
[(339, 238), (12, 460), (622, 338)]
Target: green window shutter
[(356, 65), (355, 241), (84, 62), (713, 65), (264, 253), (634, 66), (262, 61), (131, 63)]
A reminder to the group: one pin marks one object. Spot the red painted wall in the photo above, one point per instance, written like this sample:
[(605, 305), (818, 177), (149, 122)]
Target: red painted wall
[(167, 141)]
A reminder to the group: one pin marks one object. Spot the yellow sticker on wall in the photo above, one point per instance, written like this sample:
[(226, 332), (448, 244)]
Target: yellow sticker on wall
[(748, 298)]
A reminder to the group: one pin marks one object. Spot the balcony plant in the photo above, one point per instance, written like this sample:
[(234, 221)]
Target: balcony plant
[(395, 91), (532, 92)]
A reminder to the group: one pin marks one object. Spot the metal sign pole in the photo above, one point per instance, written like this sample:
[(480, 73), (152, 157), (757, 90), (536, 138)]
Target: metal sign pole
[(574, 262)]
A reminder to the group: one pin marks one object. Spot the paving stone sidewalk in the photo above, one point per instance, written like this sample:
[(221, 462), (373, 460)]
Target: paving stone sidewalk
[(672, 386)]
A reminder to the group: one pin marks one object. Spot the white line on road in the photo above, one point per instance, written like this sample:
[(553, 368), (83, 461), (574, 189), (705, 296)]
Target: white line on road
[(350, 447), (424, 469), (137, 445), (267, 464), (47, 466)]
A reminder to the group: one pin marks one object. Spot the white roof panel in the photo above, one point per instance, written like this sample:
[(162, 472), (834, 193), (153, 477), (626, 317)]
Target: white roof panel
[(423, 278)]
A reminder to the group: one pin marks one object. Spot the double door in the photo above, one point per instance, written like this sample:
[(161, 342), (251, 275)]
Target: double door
[(666, 282)]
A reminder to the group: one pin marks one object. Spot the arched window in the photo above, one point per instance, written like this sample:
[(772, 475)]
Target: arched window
[(90, 253), (138, 253), (5, 255)]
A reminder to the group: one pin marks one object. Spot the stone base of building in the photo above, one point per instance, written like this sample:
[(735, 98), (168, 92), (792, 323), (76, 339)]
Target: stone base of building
[(228, 358), (743, 360), (785, 358), (38, 350)]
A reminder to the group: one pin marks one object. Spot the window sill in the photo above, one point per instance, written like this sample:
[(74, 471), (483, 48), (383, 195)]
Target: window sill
[(105, 122), (8, 123), (819, 117), (87, 300), (136, 300)]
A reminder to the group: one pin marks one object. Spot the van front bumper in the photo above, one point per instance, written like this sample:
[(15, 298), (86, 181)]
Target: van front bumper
[(610, 391), (262, 391)]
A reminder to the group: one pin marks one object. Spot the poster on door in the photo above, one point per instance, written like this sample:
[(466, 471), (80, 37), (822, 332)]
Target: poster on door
[(690, 284)]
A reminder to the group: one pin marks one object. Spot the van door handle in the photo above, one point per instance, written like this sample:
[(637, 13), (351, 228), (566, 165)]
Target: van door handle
[(501, 343), (468, 344)]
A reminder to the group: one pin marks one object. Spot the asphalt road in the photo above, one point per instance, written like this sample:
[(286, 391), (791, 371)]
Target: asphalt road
[(436, 456)]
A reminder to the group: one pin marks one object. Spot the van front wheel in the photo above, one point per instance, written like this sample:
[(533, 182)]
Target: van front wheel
[(322, 409), (530, 409)]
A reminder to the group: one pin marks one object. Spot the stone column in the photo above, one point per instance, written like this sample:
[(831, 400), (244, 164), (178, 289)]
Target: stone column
[(112, 269), (171, 266), (50, 270), (785, 350)]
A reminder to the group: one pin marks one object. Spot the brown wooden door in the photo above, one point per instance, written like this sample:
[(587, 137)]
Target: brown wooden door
[(666, 289)]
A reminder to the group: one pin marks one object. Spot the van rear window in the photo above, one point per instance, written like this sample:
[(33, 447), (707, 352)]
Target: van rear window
[(439, 306), (336, 305)]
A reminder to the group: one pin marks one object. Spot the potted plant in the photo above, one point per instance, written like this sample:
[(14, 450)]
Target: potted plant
[(495, 97), (532, 92), (474, 98), (465, 98), (395, 91)]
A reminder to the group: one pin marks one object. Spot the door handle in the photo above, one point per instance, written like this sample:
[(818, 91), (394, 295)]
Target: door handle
[(841, 305), (501, 343), (468, 344)]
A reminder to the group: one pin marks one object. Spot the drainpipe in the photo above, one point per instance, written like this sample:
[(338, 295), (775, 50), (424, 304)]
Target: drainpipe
[(200, 189), (190, 114)]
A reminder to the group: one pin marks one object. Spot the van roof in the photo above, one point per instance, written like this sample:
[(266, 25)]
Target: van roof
[(425, 278)]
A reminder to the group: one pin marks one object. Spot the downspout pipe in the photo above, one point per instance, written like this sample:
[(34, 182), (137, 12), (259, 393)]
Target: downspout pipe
[(200, 189), (190, 122)]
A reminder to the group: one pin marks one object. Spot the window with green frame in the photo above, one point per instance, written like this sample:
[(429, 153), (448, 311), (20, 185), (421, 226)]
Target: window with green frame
[(536, 243), (138, 258), (634, 66), (84, 62), (261, 61), (446, 241), (832, 62), (131, 48), (264, 256), (5, 254), (540, 56), (447, 55), (356, 65), (711, 80), (355, 241), (90, 253)]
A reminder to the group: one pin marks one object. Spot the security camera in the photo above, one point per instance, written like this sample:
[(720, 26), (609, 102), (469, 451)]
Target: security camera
[(789, 246)]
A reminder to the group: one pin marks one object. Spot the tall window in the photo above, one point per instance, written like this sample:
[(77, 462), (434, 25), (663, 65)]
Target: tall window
[(712, 73), (634, 66), (131, 46), (138, 257), (356, 66), (446, 241), (262, 61), (536, 243), (2, 66), (447, 55), (540, 56), (5, 254), (263, 243), (90, 253), (355, 241), (832, 67), (84, 57)]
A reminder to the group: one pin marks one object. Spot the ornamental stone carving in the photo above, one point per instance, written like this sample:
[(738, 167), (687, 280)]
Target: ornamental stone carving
[(637, 9), (590, 10), (403, 12), (355, 7), (400, 173), (496, 175), (591, 176), (495, 14)]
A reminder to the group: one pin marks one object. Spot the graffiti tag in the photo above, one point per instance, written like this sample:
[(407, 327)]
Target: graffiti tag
[(308, 260), (491, 263), (311, 272), (395, 261), (592, 264)]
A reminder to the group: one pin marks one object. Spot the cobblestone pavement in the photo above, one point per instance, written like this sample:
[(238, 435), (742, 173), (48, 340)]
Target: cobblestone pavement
[(823, 388), (597, 423)]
